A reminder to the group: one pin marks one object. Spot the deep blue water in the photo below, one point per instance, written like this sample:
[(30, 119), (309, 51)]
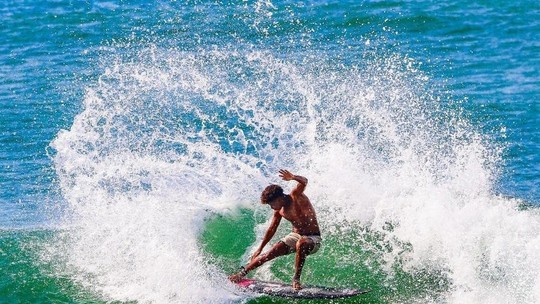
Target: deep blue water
[(478, 60)]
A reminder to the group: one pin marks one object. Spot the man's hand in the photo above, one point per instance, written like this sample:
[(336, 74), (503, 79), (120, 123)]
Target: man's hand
[(302, 181), (255, 255), (286, 175)]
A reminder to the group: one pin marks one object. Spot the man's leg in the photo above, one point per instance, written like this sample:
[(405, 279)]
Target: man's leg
[(303, 247), (277, 250)]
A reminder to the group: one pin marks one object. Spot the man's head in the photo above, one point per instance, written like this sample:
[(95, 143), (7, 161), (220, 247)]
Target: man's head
[(273, 196)]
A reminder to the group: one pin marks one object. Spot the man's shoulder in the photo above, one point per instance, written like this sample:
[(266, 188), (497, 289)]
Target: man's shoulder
[(300, 198)]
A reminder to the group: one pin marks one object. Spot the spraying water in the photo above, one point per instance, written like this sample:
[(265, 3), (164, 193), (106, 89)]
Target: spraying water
[(171, 138)]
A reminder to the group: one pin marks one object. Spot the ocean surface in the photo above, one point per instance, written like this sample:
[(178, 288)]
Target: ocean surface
[(136, 137)]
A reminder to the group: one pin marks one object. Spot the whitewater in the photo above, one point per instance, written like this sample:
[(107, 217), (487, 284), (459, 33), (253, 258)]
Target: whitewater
[(168, 140)]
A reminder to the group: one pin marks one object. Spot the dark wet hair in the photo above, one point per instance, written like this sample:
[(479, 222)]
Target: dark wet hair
[(270, 193)]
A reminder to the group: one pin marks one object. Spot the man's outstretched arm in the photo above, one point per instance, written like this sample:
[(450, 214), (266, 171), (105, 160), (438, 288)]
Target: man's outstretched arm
[(276, 219), (257, 259)]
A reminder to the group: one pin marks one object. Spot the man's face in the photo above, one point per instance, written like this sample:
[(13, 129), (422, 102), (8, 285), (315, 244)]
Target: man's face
[(276, 204)]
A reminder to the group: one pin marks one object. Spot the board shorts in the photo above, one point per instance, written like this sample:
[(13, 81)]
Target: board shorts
[(293, 237)]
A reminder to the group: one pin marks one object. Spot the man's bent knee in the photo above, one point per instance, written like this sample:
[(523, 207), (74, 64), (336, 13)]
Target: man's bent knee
[(305, 245)]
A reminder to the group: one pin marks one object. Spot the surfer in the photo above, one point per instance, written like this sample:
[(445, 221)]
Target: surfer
[(305, 238)]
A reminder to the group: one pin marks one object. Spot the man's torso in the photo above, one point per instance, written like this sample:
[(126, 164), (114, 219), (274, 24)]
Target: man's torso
[(302, 216)]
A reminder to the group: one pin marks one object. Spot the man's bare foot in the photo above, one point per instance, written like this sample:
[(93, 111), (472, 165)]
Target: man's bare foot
[(235, 278), (296, 285)]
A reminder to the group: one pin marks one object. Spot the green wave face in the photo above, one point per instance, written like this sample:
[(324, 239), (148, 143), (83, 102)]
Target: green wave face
[(351, 257)]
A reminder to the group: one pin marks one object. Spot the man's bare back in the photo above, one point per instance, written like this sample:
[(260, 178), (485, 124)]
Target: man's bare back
[(306, 236)]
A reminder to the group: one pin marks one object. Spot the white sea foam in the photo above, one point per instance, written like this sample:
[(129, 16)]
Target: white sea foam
[(171, 137)]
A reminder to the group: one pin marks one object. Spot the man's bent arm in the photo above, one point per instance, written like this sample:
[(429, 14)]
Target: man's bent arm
[(302, 181)]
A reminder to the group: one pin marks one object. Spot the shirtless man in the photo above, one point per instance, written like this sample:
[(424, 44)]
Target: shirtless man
[(306, 236)]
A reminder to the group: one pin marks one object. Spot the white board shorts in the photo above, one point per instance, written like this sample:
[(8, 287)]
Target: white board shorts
[(292, 238)]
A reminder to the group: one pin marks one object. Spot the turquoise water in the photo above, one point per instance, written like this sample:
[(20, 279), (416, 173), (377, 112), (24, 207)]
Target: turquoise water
[(135, 138)]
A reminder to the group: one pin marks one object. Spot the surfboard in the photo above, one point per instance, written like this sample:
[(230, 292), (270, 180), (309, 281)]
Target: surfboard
[(307, 292)]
